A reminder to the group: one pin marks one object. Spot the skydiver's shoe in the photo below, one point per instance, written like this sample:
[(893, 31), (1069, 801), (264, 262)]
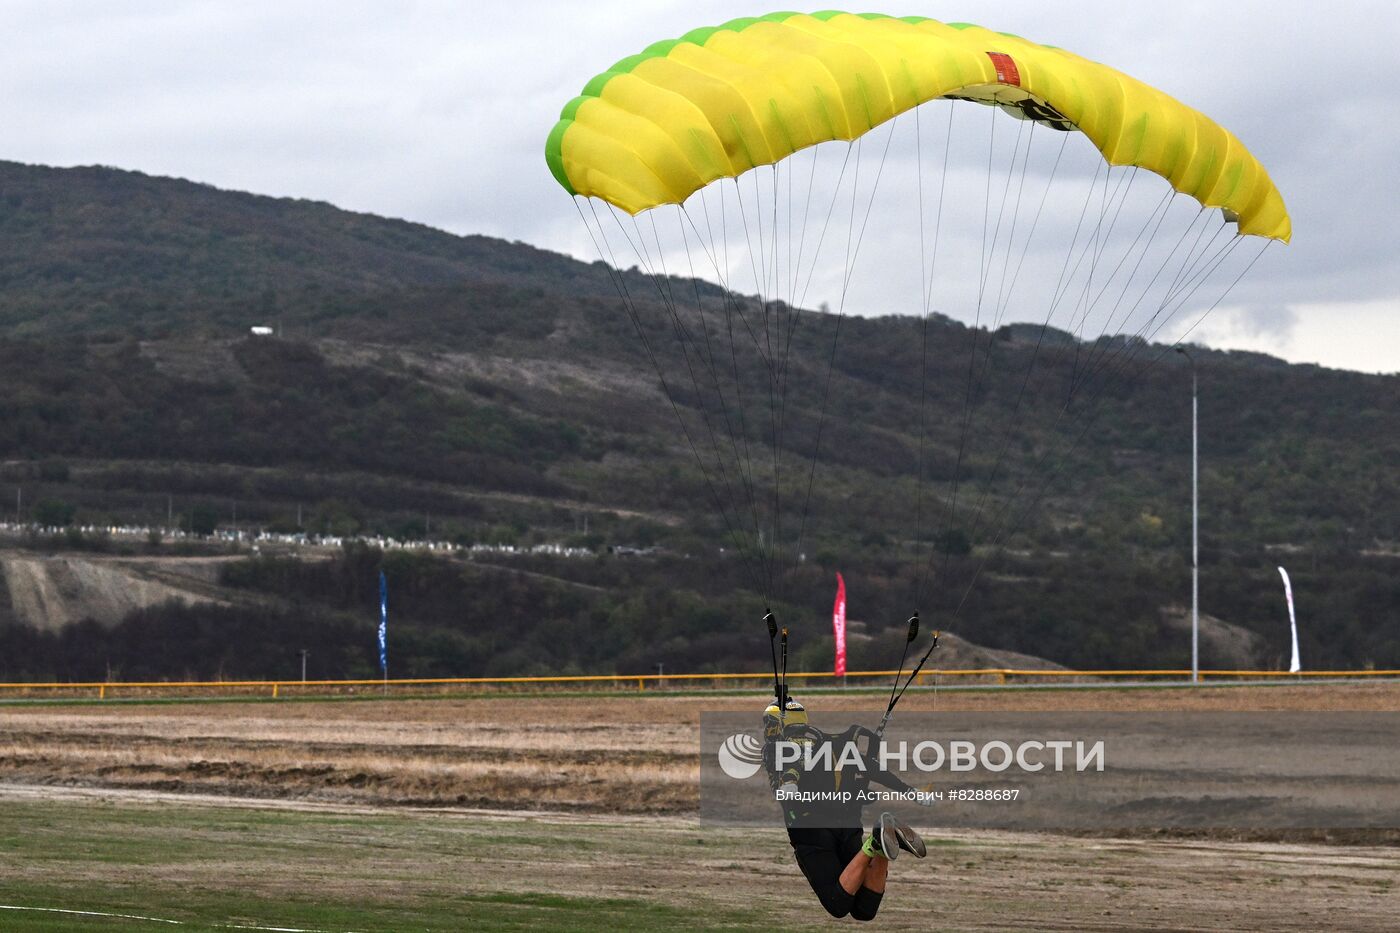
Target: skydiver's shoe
[(907, 839), (886, 836)]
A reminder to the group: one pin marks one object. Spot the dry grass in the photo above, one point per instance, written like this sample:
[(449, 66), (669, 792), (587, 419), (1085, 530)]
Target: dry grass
[(595, 754), (299, 791)]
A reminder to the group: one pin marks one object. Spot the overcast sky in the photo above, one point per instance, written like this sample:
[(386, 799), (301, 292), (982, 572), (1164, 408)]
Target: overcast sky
[(437, 112)]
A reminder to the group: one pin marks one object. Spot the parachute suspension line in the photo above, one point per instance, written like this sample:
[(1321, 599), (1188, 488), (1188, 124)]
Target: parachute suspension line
[(708, 357), (1199, 278), (1003, 301), (927, 271), (975, 388), (765, 348), (1084, 302), (796, 268), (923, 340), (1098, 245), (782, 298), (1209, 264), (797, 303), (1202, 214), (1057, 293), (826, 223), (1112, 321), (1071, 272), (1159, 213), (745, 478), (1061, 284), (794, 301), (851, 256), (682, 336), (1075, 388), (1192, 255), (787, 241), (775, 387), (1113, 356), (759, 263), (786, 341), (1035, 224), (1083, 433), (801, 299), (1131, 348), (1010, 242), (965, 419), (1094, 252), (990, 257), (600, 242), (1191, 276), (1197, 323), (999, 306), (734, 305), (765, 298), (757, 258), (1068, 273), (779, 436), (635, 316), (1099, 242), (667, 297), (1015, 218)]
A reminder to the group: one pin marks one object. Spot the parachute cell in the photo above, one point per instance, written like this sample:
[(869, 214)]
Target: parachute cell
[(660, 125)]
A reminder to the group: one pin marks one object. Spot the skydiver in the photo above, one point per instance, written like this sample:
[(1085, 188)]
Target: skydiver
[(845, 867)]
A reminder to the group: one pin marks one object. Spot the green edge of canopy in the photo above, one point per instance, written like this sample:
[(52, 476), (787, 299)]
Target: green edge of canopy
[(554, 144)]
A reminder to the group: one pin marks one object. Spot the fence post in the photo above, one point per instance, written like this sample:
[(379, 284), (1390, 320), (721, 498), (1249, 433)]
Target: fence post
[(102, 691), (274, 691)]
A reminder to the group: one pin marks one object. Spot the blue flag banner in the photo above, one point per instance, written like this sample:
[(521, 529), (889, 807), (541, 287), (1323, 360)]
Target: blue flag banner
[(383, 624)]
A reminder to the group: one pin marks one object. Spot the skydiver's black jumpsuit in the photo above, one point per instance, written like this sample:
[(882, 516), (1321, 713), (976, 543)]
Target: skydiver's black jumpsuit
[(826, 836)]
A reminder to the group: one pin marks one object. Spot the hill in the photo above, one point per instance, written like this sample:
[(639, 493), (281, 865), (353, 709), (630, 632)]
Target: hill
[(474, 390)]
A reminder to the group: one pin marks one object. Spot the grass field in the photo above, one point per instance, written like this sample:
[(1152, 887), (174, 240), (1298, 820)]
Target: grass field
[(211, 866), (565, 814)]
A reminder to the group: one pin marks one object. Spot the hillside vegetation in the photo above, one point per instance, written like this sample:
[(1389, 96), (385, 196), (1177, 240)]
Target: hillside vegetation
[(474, 390)]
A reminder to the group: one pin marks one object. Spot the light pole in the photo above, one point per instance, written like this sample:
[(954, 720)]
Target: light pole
[(1195, 538), (304, 652)]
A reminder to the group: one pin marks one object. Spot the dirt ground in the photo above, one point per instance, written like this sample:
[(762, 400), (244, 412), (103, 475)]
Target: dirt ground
[(599, 754), (974, 881), (618, 776)]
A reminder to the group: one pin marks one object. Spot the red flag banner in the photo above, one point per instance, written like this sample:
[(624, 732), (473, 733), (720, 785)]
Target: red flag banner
[(838, 625)]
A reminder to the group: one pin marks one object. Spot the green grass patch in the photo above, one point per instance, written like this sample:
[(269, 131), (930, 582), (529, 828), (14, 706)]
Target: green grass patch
[(211, 867)]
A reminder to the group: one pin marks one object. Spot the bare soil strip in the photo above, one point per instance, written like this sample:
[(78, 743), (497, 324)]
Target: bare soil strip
[(623, 755), (976, 881)]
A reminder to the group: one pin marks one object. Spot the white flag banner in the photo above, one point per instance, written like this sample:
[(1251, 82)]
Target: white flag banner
[(1295, 665)]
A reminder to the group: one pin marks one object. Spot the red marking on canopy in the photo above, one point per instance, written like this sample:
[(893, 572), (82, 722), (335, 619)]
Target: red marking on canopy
[(1007, 72)]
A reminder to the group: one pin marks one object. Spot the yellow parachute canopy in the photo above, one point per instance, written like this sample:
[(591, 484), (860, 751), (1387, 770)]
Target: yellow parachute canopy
[(718, 101)]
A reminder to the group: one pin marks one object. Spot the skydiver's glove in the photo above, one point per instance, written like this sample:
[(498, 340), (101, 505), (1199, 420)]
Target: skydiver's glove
[(925, 798), (786, 778)]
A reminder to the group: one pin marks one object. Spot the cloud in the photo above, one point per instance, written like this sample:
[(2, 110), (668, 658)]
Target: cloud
[(1264, 328), (437, 112), (1359, 335), (1277, 322)]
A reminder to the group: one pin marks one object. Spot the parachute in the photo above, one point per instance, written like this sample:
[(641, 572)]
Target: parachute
[(658, 126), (705, 158)]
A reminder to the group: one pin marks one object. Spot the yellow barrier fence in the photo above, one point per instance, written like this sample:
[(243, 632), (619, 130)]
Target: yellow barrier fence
[(643, 682)]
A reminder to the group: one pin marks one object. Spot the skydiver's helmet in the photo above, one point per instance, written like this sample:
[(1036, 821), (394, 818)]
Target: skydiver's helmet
[(775, 723)]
